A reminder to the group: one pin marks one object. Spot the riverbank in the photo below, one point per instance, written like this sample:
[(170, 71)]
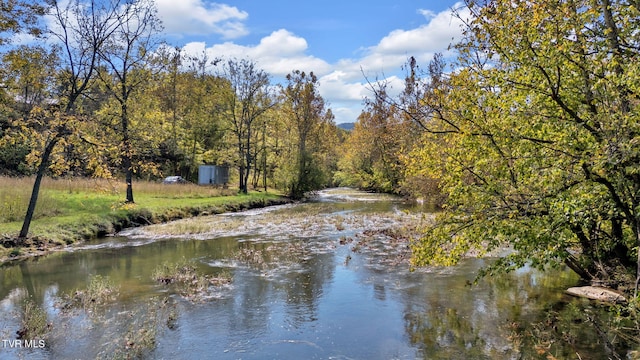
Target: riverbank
[(71, 211)]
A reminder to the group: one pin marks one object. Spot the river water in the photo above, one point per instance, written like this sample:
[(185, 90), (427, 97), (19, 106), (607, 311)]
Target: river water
[(326, 279)]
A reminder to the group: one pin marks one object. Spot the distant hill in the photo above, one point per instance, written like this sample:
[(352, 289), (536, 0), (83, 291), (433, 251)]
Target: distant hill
[(347, 126)]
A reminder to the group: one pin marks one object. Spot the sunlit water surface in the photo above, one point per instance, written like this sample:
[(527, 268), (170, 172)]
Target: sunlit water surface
[(304, 286)]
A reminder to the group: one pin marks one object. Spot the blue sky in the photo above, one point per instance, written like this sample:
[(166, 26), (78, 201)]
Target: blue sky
[(336, 39)]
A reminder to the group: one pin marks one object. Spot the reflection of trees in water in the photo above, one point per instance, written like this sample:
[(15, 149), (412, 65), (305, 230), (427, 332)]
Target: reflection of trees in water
[(578, 328), (251, 306), (303, 289), (522, 315), (444, 334), (564, 327), (455, 321), (127, 265), (290, 273)]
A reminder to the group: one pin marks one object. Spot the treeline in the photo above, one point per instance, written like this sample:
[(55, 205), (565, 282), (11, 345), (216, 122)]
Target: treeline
[(377, 155)]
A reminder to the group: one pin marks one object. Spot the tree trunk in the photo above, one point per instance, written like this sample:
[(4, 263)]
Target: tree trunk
[(129, 180), (264, 171), (264, 156), (126, 153), (247, 161), (42, 168), (241, 169), (573, 264), (637, 231)]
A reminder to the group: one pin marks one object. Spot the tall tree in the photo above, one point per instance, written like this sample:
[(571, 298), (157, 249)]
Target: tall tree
[(248, 99), (305, 113), (81, 29), (538, 139), (169, 90), (202, 114), (375, 156), (127, 55)]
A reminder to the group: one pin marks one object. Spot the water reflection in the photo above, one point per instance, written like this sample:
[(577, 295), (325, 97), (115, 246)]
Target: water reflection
[(310, 280)]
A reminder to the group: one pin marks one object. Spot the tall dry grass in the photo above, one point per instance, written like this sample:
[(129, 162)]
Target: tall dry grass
[(16, 192), (14, 199), (189, 190)]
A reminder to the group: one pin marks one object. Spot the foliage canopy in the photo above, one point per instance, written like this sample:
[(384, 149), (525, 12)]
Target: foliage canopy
[(536, 145)]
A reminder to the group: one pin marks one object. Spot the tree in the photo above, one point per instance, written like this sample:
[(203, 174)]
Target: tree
[(537, 140), (20, 17), (375, 156), (28, 77), (248, 99), (170, 94), (201, 114), (305, 116), (127, 54), (175, 89), (81, 31)]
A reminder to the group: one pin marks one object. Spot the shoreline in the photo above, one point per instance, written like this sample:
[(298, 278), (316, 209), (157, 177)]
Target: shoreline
[(37, 246)]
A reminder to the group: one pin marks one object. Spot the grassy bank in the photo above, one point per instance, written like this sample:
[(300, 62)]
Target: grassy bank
[(71, 210)]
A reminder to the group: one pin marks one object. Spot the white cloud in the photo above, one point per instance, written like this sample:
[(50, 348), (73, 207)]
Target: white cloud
[(393, 50), (345, 87), (435, 36), (279, 53), (196, 17), (346, 97), (343, 84), (427, 13), (346, 114), (281, 40), (337, 86)]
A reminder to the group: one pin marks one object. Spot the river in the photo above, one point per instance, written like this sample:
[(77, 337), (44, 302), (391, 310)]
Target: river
[(325, 279)]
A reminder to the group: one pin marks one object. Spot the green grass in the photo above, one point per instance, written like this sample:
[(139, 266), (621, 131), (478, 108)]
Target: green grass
[(73, 209)]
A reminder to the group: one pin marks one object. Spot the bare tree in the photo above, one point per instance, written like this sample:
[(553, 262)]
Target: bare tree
[(127, 54)]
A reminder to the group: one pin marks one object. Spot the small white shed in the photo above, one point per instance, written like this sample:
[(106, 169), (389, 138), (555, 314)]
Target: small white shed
[(213, 175)]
